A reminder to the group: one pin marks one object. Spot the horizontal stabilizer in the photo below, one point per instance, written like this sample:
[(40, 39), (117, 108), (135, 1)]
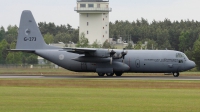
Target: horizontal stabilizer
[(21, 50)]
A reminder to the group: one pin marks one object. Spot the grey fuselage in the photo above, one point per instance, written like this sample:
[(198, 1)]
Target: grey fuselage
[(145, 61)]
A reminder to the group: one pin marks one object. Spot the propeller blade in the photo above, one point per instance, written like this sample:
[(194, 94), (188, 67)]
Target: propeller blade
[(111, 59), (123, 55), (112, 53)]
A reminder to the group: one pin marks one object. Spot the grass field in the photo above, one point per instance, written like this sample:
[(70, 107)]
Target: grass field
[(88, 95), (65, 95)]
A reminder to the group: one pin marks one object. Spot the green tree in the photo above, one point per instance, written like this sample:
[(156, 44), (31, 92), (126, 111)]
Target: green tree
[(62, 37), (75, 35), (129, 46), (3, 51), (2, 33), (96, 44), (32, 59), (11, 34), (184, 39), (196, 53), (163, 39), (48, 38), (138, 45), (14, 57), (107, 44), (151, 44), (83, 42)]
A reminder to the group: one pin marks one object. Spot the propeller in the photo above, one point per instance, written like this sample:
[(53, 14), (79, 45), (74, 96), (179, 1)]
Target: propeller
[(124, 53), (112, 53)]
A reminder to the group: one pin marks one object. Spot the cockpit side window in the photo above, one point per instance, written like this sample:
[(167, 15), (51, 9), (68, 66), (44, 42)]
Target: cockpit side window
[(179, 55)]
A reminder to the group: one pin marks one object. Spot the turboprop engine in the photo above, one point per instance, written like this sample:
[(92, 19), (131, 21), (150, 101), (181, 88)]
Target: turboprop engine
[(100, 55)]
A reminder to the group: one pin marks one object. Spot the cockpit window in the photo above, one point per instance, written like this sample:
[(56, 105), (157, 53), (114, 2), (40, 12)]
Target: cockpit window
[(179, 55), (185, 57), (182, 56)]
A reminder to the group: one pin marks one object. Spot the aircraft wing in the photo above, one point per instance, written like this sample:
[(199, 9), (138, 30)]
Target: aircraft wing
[(82, 50)]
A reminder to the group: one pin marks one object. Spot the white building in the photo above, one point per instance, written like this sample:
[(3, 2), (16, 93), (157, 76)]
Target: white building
[(94, 19)]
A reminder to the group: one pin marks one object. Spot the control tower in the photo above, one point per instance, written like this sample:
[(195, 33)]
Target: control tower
[(94, 19)]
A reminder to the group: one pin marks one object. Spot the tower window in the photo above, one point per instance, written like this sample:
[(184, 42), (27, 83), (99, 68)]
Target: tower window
[(87, 32), (87, 23), (103, 18), (82, 5), (98, 5), (87, 15), (103, 35), (103, 27), (90, 5)]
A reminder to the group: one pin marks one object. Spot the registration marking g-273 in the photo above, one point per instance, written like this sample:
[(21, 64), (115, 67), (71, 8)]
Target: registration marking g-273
[(30, 39)]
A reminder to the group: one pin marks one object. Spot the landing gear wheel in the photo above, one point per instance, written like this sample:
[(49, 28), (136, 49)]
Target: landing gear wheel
[(109, 74), (176, 74), (118, 74), (101, 74)]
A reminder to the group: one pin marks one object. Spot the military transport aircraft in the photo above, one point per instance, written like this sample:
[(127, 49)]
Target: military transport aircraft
[(101, 61)]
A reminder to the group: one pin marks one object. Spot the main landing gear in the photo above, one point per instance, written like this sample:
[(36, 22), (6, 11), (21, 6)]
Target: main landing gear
[(110, 74), (176, 74)]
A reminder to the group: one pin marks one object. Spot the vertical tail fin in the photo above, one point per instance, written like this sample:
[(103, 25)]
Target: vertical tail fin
[(29, 35)]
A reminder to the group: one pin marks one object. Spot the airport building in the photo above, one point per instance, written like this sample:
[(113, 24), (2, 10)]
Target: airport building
[(94, 19)]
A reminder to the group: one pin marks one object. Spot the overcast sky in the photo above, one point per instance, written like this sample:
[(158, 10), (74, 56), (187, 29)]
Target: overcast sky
[(62, 11)]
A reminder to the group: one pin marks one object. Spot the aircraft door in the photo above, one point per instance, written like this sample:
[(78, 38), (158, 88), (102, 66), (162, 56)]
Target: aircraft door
[(83, 66), (137, 63), (181, 65)]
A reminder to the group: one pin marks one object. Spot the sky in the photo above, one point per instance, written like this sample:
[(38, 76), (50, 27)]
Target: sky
[(62, 11)]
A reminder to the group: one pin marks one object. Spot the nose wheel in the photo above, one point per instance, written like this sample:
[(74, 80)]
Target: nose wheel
[(176, 74)]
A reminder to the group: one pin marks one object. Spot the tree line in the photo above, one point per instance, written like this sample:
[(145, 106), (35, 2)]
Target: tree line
[(172, 35)]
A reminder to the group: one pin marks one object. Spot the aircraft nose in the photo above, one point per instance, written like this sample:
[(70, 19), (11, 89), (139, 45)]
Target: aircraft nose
[(190, 65), (193, 64)]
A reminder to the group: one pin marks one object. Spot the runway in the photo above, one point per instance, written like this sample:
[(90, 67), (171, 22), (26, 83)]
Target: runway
[(187, 78)]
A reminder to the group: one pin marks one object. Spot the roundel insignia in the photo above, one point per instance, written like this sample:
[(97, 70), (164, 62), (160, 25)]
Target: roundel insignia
[(61, 57), (27, 31)]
